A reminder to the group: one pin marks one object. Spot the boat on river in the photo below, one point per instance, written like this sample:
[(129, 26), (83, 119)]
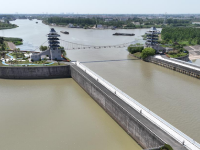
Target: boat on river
[(124, 34), (64, 32)]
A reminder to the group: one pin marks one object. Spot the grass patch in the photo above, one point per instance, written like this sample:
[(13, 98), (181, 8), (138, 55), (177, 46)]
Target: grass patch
[(17, 55), (177, 55), (138, 54), (16, 41), (6, 44)]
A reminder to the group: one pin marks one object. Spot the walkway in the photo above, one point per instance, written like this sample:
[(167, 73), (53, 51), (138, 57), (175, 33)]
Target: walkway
[(11, 45)]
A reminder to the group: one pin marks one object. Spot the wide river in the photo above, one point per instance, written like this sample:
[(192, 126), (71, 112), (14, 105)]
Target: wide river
[(49, 114)]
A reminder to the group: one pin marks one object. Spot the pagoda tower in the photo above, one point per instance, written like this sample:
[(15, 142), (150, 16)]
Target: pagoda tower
[(53, 39), (54, 44), (53, 52), (152, 37)]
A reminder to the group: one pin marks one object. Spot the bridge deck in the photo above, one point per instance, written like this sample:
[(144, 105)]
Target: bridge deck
[(163, 135)]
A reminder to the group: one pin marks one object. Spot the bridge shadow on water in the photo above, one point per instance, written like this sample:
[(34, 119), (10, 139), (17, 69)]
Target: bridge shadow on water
[(106, 60)]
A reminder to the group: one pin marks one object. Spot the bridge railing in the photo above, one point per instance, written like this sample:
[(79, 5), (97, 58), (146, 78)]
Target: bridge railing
[(179, 136)]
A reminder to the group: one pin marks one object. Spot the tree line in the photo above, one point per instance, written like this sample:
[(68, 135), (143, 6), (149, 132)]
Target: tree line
[(177, 34), (83, 21)]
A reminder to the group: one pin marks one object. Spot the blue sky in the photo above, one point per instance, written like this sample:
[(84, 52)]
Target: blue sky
[(101, 6)]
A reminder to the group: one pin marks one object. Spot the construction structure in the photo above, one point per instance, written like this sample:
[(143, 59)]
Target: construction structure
[(53, 52)]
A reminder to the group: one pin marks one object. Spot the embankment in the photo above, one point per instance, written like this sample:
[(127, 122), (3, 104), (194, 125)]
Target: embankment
[(191, 71), (35, 72)]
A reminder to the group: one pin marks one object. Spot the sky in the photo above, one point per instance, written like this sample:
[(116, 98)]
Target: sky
[(100, 6)]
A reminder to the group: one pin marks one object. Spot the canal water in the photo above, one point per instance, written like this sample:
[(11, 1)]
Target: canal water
[(173, 96), (56, 115), (53, 114)]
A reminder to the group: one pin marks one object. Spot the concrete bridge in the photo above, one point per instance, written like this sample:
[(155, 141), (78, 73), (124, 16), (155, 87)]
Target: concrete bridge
[(148, 129)]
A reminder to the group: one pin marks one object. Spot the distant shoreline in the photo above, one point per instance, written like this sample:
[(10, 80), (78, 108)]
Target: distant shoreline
[(95, 28)]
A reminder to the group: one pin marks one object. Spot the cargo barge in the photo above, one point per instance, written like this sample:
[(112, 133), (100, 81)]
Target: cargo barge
[(124, 34), (64, 32)]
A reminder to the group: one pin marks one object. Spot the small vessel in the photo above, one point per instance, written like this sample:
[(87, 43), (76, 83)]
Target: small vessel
[(64, 32), (124, 34), (36, 22)]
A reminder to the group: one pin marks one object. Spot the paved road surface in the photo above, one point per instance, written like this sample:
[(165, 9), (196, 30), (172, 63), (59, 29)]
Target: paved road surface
[(11, 45)]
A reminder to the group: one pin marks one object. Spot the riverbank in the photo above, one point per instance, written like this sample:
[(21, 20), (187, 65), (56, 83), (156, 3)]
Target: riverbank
[(4, 26), (194, 52), (102, 28), (193, 57)]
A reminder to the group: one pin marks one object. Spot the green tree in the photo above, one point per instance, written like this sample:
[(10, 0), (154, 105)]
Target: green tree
[(63, 51), (43, 48), (1, 40), (147, 52)]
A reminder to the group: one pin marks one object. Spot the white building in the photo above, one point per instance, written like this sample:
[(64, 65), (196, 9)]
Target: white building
[(195, 22), (70, 25), (108, 19), (99, 26), (123, 19), (136, 23)]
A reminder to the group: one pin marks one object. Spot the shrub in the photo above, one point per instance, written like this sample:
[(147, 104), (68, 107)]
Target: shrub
[(135, 49), (147, 52), (166, 147)]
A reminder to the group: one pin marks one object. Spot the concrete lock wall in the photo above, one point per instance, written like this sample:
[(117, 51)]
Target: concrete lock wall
[(105, 99), (175, 67), (35, 72), (184, 58)]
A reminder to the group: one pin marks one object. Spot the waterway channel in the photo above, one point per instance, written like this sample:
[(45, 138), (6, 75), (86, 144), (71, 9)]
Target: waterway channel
[(53, 114), (173, 96)]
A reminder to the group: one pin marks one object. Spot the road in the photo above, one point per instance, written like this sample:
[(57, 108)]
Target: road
[(11, 45)]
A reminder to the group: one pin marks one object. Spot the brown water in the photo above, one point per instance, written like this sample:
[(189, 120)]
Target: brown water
[(55, 115), (173, 96)]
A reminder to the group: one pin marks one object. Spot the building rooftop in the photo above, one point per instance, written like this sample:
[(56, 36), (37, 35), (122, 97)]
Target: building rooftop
[(52, 30)]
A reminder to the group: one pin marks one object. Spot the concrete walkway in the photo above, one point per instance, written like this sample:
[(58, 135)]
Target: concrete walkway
[(11, 45)]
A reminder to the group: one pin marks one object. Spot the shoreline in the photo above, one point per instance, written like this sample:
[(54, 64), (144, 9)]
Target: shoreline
[(193, 57), (90, 28)]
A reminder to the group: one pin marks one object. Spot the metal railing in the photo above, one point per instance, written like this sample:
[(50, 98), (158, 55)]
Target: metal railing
[(161, 123)]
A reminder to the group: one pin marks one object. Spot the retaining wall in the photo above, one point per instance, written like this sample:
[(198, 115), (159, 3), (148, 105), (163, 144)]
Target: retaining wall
[(175, 67), (184, 58), (35, 72), (117, 109)]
